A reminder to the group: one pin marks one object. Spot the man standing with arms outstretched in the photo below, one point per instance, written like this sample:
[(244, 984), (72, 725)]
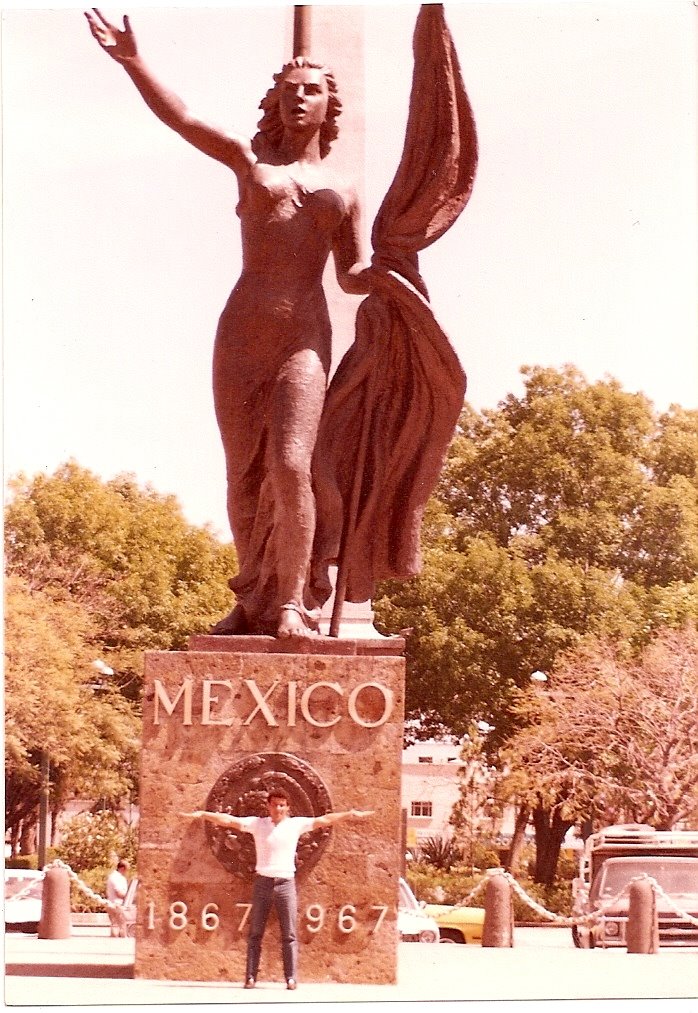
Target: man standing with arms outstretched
[(276, 839)]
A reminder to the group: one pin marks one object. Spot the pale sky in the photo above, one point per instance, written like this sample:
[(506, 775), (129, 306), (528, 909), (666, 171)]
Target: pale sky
[(121, 243)]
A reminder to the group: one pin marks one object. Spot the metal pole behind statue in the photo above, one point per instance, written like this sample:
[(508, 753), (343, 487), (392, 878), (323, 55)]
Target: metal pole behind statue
[(301, 47), (301, 30)]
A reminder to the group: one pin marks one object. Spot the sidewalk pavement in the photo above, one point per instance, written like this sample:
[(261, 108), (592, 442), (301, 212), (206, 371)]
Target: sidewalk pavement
[(93, 969)]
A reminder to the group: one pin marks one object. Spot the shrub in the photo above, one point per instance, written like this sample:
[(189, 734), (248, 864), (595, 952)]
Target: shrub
[(22, 862), (441, 852), (567, 865), (485, 855), (96, 840), (29, 861), (96, 879), (556, 898), (439, 887)]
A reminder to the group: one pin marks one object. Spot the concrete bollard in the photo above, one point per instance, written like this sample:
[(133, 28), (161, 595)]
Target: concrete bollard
[(55, 905), (498, 929), (642, 934)]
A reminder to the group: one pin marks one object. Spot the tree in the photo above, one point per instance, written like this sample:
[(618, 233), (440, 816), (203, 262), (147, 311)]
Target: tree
[(96, 570), (662, 542), (50, 707), (614, 738), (147, 578), (569, 511), (478, 784)]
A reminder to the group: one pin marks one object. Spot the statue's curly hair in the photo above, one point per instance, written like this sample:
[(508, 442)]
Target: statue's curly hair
[(270, 126)]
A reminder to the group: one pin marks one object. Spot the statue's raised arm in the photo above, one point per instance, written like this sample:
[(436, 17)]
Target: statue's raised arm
[(120, 44)]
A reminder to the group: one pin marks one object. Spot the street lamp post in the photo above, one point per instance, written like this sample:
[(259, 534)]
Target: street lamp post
[(43, 808)]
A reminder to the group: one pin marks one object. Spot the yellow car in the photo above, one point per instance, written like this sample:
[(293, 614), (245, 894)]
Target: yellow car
[(457, 924)]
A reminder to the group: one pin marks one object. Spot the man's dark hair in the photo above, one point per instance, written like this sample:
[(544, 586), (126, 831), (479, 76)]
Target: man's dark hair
[(278, 793)]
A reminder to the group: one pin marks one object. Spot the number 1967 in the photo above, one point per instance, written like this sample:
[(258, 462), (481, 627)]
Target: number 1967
[(315, 917)]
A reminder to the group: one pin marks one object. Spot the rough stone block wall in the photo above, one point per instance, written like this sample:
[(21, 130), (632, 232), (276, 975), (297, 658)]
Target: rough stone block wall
[(216, 725)]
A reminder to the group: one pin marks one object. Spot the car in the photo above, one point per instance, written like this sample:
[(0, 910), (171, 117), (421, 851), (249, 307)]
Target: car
[(413, 923), (23, 889), (616, 855), (457, 924), (678, 878)]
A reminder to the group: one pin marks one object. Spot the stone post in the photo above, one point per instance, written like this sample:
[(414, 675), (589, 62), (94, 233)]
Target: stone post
[(498, 929), (642, 934), (55, 905)]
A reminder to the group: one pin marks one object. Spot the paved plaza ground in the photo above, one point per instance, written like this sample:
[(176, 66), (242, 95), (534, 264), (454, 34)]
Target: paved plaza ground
[(92, 969)]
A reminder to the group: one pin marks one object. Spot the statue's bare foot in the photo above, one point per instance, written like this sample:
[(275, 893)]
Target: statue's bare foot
[(291, 624), (234, 624)]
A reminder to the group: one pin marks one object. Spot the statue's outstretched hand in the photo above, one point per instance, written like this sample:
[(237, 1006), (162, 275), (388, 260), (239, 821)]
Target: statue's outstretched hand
[(121, 45)]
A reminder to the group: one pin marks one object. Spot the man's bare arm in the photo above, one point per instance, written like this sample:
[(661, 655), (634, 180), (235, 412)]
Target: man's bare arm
[(219, 819), (329, 819)]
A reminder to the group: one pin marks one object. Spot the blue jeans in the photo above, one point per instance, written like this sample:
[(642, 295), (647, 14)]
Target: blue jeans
[(281, 893)]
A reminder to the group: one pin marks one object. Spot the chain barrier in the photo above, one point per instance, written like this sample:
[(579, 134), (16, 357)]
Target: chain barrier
[(25, 891), (474, 892), (58, 863), (561, 920), (672, 905), (569, 922)]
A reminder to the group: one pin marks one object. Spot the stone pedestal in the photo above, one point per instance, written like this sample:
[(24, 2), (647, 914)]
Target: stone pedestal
[(222, 722)]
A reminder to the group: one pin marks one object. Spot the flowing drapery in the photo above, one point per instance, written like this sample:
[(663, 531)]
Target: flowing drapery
[(393, 403)]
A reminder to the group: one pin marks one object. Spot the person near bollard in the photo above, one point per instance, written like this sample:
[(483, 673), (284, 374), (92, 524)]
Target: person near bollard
[(117, 885), (276, 838)]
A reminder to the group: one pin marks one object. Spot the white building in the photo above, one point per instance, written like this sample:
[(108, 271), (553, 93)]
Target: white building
[(430, 788)]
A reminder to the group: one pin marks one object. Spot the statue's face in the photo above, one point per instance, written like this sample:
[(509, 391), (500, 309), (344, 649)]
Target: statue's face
[(303, 98)]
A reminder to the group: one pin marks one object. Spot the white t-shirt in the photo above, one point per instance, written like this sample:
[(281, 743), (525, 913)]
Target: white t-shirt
[(275, 844), (117, 885)]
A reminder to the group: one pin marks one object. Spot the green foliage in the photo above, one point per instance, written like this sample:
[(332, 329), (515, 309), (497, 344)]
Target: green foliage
[(441, 852), (614, 736), (22, 862), (96, 570), (565, 515), (44, 644), (90, 737), (440, 886), (96, 840), (555, 897), (485, 855), (568, 865), (436, 886), (147, 577), (96, 879), (567, 512)]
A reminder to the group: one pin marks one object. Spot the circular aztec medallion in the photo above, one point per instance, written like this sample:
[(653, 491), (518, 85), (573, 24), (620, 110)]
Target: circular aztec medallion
[(242, 791)]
